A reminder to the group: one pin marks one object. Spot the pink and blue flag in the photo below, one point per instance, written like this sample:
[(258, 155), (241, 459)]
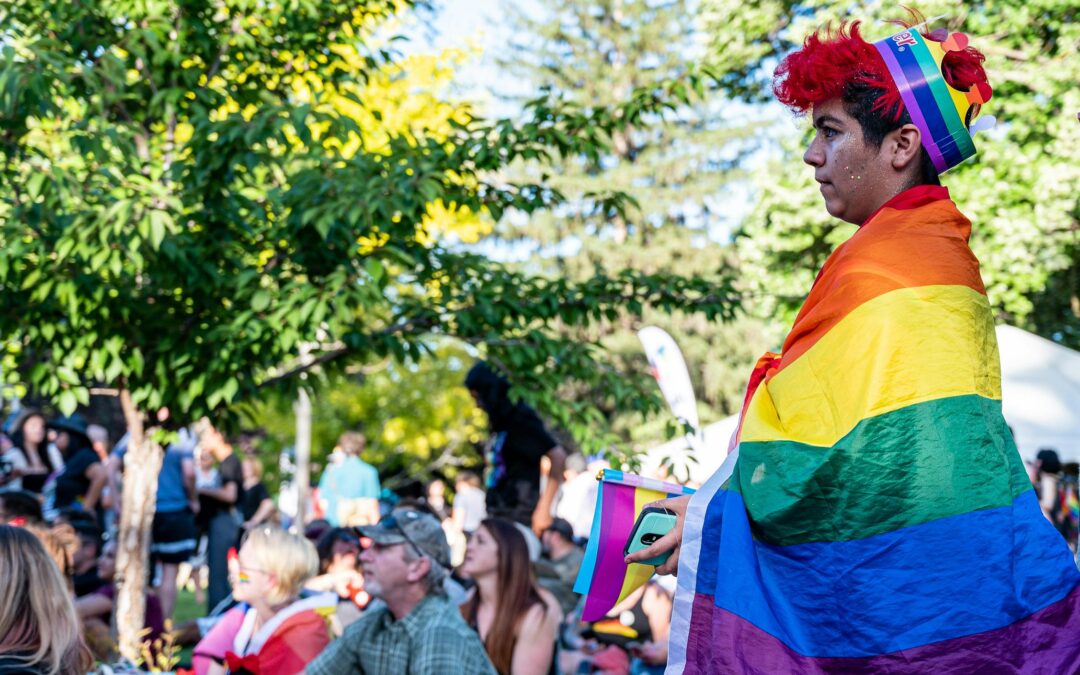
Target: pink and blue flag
[(605, 579)]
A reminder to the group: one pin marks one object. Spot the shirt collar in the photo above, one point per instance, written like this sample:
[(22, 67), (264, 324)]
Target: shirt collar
[(414, 619), (913, 198)]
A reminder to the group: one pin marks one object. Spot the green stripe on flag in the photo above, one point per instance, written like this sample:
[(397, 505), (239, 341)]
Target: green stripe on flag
[(927, 461)]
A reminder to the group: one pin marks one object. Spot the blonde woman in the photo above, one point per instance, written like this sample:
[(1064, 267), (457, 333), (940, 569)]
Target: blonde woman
[(272, 630), (38, 629)]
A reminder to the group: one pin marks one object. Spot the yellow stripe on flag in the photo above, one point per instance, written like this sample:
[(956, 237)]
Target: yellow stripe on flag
[(904, 347), (637, 575)]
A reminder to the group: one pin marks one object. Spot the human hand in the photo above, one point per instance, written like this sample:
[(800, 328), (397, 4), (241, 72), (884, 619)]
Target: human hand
[(672, 541), (541, 520)]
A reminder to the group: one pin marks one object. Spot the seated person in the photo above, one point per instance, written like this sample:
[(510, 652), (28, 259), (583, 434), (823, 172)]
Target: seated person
[(85, 560), (339, 555), (517, 621), (18, 507), (558, 569), (95, 608), (39, 632), (273, 629), (637, 626)]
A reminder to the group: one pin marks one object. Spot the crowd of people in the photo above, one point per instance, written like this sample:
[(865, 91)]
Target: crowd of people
[(474, 573)]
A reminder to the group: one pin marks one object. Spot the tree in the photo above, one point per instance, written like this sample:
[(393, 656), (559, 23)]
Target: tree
[(679, 167), (1020, 192), (185, 207), (419, 419)]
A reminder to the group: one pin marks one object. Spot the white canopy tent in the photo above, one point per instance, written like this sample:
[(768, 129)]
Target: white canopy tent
[(1040, 388), (1040, 383)]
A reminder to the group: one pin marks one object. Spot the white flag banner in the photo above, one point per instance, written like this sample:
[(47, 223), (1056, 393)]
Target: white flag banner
[(669, 369)]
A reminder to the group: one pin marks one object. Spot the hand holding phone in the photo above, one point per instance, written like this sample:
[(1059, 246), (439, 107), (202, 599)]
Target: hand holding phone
[(652, 524)]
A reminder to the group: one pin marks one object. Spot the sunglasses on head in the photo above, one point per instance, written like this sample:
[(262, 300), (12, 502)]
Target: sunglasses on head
[(391, 522)]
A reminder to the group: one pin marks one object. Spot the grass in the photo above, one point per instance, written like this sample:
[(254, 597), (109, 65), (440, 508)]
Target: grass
[(187, 609)]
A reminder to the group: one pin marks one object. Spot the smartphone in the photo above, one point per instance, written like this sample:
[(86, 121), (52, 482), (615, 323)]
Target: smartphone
[(652, 523)]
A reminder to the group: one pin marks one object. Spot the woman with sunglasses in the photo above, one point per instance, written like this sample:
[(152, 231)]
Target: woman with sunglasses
[(517, 621), (273, 629)]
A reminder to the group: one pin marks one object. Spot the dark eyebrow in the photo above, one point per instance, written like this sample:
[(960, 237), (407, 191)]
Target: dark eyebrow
[(827, 119)]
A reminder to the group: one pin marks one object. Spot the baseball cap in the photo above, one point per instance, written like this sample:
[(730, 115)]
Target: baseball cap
[(405, 526), (563, 527)]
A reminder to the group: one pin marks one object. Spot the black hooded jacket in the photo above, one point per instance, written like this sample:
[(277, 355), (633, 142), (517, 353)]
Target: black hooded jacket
[(519, 440)]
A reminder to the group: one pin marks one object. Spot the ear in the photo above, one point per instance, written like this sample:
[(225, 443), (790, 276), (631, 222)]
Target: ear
[(905, 146), (418, 569)]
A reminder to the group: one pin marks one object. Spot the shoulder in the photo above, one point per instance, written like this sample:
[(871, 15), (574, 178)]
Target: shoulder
[(367, 468), (16, 456), (441, 626), (367, 625), (84, 458), (230, 468), (655, 598), (541, 617)]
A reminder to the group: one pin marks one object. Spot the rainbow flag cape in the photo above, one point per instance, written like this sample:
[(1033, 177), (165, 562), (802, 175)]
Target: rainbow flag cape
[(604, 579), (875, 516)]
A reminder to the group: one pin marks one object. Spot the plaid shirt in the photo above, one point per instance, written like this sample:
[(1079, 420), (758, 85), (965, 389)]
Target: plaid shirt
[(432, 640)]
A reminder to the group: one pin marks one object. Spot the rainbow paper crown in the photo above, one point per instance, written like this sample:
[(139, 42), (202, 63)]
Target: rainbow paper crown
[(943, 114)]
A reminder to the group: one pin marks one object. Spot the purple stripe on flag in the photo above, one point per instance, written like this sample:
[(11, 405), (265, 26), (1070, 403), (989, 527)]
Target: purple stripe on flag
[(618, 520), (1048, 641)]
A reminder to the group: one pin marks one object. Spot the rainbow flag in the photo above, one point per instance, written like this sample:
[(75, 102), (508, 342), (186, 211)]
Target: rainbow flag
[(875, 516), (1073, 505), (605, 579)]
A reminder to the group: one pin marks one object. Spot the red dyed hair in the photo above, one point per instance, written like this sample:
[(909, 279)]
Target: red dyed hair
[(829, 63)]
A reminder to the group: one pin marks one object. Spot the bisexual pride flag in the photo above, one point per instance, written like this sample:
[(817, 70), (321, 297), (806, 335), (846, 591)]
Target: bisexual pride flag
[(605, 579)]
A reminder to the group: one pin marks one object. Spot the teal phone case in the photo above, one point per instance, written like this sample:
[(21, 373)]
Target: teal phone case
[(652, 524)]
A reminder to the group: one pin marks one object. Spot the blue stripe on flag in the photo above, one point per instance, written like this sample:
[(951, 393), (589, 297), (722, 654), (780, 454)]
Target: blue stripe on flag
[(948, 578)]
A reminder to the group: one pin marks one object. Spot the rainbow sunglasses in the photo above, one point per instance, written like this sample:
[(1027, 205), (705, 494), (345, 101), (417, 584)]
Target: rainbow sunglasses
[(944, 116)]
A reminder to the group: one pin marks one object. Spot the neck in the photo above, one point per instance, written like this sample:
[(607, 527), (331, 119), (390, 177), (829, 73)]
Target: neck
[(560, 548), (488, 588), (265, 611), (405, 601)]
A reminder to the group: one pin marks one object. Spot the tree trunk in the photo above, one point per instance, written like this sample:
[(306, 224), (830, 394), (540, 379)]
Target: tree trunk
[(142, 464), (303, 455)]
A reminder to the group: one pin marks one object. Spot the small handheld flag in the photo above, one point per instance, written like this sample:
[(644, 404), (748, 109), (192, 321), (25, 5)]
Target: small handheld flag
[(605, 579)]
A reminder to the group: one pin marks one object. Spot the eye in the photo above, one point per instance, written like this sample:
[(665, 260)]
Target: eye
[(829, 132)]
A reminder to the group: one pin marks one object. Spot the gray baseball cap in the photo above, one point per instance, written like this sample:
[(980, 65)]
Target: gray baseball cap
[(405, 526)]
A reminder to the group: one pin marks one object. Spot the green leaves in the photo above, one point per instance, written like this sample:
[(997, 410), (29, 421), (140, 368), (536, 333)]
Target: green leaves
[(180, 218)]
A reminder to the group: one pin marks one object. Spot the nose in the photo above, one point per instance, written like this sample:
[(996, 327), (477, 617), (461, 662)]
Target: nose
[(813, 155), (366, 554)]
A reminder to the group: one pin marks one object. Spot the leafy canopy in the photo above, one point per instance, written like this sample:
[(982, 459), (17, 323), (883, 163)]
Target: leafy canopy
[(202, 198)]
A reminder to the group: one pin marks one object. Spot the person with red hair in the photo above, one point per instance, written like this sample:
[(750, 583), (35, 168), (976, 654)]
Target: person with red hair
[(874, 515)]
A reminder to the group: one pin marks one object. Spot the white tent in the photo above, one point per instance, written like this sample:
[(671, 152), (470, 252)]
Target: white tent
[(1040, 384), (1040, 388), (708, 459)]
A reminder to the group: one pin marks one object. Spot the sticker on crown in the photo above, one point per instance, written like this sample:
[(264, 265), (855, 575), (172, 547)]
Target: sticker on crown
[(956, 42), (980, 93)]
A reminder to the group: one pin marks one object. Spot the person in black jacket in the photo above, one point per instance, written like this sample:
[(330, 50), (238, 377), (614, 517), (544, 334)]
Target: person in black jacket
[(518, 442)]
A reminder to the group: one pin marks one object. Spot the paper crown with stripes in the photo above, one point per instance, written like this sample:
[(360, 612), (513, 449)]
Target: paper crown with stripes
[(944, 116)]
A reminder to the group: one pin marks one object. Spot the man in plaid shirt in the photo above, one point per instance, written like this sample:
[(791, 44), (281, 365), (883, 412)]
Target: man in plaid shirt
[(418, 630)]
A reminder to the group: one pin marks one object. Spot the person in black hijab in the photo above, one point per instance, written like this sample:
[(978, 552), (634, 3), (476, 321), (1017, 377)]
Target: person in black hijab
[(518, 442)]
